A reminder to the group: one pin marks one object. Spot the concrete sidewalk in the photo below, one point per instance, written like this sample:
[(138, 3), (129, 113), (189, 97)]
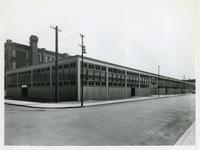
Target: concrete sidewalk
[(188, 138), (76, 104)]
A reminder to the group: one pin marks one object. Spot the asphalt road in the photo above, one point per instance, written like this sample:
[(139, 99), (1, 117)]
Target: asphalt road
[(150, 122)]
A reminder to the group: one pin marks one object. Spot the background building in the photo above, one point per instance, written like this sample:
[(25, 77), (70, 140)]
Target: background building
[(101, 80), (19, 55)]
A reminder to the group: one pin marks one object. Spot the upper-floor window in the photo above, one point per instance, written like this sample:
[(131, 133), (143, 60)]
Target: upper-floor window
[(14, 53), (53, 58), (26, 55), (14, 65), (40, 57), (47, 58)]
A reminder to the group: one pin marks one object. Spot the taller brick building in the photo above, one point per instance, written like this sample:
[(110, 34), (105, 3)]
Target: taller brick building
[(19, 55)]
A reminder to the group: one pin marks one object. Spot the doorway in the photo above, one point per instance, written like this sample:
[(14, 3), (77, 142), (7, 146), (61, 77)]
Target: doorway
[(24, 91), (166, 91), (132, 91)]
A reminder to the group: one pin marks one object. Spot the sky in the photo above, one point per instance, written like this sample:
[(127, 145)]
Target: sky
[(140, 34)]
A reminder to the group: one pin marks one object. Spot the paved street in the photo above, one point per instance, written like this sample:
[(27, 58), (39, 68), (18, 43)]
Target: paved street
[(150, 122)]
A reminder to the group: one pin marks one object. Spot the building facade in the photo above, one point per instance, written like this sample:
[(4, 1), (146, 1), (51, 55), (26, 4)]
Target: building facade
[(18, 55), (101, 80)]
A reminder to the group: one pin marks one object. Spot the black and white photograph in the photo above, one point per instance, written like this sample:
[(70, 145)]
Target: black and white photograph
[(99, 73)]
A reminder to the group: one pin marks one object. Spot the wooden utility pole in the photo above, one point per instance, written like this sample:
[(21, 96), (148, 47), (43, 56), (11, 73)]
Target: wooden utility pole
[(83, 52), (158, 80), (184, 84), (56, 62)]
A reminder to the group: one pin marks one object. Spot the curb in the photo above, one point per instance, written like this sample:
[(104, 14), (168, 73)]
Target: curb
[(185, 135), (144, 99), (64, 107), (119, 102), (90, 105)]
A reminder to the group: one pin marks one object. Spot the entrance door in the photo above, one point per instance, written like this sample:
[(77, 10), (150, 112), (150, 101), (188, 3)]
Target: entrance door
[(132, 91), (24, 92)]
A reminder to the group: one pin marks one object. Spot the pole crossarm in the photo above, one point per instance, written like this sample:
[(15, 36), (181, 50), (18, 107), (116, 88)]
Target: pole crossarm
[(54, 27)]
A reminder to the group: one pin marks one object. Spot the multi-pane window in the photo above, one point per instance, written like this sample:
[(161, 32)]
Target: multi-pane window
[(41, 77), (73, 71), (11, 80), (90, 75), (116, 77), (144, 81), (66, 75), (94, 75), (153, 82), (132, 79), (60, 74), (24, 78)]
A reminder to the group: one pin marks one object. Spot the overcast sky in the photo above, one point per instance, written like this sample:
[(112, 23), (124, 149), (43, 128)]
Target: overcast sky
[(140, 34)]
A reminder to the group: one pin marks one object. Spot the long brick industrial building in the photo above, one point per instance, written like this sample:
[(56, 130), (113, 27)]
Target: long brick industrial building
[(101, 80)]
